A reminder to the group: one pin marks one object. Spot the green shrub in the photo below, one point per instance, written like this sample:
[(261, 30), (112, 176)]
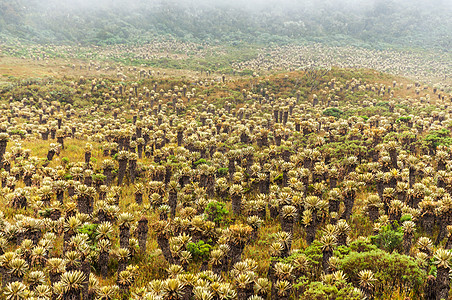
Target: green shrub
[(222, 171), (199, 250), (392, 270), (199, 162), (405, 218), (98, 177), (90, 230), (340, 291), (403, 119), (278, 178), (216, 212), (438, 137), (333, 111), (383, 104), (45, 213), (389, 239)]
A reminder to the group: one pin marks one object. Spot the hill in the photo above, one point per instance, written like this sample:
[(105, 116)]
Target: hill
[(374, 24)]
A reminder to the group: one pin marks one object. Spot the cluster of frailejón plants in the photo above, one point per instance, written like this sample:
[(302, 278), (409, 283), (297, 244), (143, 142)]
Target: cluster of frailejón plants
[(320, 186)]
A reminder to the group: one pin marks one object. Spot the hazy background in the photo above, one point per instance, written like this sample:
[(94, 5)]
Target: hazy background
[(374, 24)]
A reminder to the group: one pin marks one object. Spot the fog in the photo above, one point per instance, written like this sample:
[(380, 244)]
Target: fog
[(389, 21), (248, 5)]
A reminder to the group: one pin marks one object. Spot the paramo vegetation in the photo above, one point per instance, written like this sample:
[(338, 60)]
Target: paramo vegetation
[(318, 184)]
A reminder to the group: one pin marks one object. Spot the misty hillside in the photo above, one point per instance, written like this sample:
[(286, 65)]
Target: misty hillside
[(376, 24)]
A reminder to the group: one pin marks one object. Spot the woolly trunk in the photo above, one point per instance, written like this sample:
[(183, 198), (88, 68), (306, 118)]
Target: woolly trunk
[(311, 231), (163, 243), (284, 178), (124, 236), (273, 211), (172, 202), (429, 290), (285, 117), (88, 181), (412, 177), (442, 283), (333, 205), (264, 185), (236, 204), (6, 276), (142, 233), (45, 135), (327, 254), (236, 252), (271, 275), (132, 170), (27, 179), (210, 185), (428, 221), (122, 170), (374, 213), (448, 245), (108, 176), (86, 269), (380, 188), (87, 157), (180, 137), (393, 156), (140, 151), (188, 292), (407, 242), (245, 292), (349, 201), (231, 168), (216, 268), (60, 141), (50, 154), (83, 204), (203, 181), (342, 239), (139, 198), (122, 265), (168, 173), (264, 140), (442, 229), (54, 276), (104, 257), (72, 295), (184, 180), (287, 223)]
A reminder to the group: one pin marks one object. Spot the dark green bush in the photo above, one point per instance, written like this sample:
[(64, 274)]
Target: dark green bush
[(90, 230), (333, 111), (199, 162), (403, 119), (222, 171), (216, 212), (392, 270), (340, 290), (389, 239), (438, 137), (199, 250)]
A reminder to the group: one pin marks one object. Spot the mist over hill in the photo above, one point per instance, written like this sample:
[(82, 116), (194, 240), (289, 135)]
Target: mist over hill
[(375, 24)]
